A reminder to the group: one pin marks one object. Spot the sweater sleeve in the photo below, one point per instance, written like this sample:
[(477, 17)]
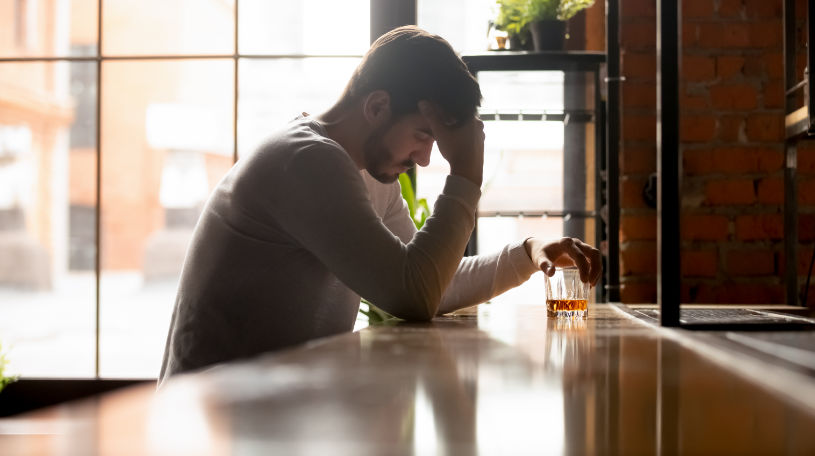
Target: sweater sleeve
[(321, 201), (483, 277), (477, 278)]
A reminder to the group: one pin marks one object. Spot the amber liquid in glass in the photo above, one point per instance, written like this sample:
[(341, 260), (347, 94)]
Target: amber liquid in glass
[(566, 307)]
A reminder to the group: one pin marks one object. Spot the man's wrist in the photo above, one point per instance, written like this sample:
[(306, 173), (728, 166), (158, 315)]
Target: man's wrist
[(472, 176)]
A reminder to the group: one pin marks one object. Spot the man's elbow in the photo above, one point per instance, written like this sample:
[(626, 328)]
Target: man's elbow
[(416, 311)]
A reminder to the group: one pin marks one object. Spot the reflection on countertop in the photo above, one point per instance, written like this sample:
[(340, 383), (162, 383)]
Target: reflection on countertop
[(499, 379)]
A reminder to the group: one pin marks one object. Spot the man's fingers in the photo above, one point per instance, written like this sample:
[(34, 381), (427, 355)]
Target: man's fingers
[(579, 258), (595, 261)]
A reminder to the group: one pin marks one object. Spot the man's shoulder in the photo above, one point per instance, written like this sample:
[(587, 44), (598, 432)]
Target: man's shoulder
[(300, 134)]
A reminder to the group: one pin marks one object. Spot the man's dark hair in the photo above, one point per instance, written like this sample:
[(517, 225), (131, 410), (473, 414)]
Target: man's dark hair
[(413, 65)]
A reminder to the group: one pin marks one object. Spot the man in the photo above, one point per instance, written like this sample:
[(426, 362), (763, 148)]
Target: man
[(298, 231)]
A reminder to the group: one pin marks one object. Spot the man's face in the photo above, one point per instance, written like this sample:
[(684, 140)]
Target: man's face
[(397, 146)]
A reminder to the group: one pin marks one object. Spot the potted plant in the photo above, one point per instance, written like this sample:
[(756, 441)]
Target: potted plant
[(512, 19), (546, 20)]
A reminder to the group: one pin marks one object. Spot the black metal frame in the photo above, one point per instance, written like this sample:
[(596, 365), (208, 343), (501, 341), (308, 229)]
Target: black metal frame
[(574, 61), (612, 147), (799, 122), (669, 171)]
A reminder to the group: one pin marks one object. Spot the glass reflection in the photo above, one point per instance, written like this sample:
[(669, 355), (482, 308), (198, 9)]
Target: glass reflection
[(47, 216), (166, 142)]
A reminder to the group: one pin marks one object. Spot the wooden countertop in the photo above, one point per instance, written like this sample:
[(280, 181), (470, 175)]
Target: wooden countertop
[(498, 379)]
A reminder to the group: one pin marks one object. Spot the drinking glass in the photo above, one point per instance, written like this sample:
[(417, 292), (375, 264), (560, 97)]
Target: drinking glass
[(566, 295)]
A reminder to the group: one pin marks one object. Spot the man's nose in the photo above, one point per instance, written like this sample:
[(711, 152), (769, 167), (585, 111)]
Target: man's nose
[(422, 156)]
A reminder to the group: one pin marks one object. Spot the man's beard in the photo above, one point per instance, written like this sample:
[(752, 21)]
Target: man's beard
[(378, 158)]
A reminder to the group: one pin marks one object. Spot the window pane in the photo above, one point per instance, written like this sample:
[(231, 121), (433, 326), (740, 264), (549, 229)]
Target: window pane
[(166, 142), (273, 92), (467, 31), (41, 28), (312, 27), (47, 217), (159, 27)]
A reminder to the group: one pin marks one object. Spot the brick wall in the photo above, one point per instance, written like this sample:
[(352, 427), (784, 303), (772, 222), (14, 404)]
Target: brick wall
[(732, 133)]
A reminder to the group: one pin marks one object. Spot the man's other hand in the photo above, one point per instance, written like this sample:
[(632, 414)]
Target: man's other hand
[(566, 252), (462, 146)]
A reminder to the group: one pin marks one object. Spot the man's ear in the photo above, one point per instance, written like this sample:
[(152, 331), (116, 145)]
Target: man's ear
[(376, 107)]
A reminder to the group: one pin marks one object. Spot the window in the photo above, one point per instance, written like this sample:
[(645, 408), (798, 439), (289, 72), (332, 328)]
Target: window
[(170, 126)]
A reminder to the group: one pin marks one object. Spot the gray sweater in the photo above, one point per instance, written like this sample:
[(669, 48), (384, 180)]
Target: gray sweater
[(294, 234)]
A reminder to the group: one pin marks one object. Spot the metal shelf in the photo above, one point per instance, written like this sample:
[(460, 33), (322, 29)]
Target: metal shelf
[(569, 116)]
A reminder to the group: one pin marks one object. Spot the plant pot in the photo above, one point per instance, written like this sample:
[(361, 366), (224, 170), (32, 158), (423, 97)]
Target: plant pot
[(548, 35)]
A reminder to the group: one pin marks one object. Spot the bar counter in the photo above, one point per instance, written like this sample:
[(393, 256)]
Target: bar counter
[(496, 379)]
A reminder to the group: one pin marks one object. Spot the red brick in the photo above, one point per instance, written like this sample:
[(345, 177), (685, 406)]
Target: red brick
[(631, 192), (765, 127), (806, 157), (806, 227), (639, 65), (690, 35), (731, 8), (728, 66), (766, 34), (734, 96), (710, 35), (759, 227), (697, 161), (638, 159), (699, 263), (638, 292), (638, 258), (638, 35), (771, 190), (763, 9), (698, 68), (806, 192), (640, 95), (754, 67), (774, 62), (638, 8), (704, 227), (753, 262), (803, 257), (774, 94), (697, 128), (697, 8), (693, 102), (638, 227), (749, 293), (727, 192), (739, 160), (734, 35), (639, 127), (731, 127)]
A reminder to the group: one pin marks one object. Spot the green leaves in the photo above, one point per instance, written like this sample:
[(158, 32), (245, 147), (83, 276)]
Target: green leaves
[(419, 211), (515, 15), (568, 8), (4, 380)]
